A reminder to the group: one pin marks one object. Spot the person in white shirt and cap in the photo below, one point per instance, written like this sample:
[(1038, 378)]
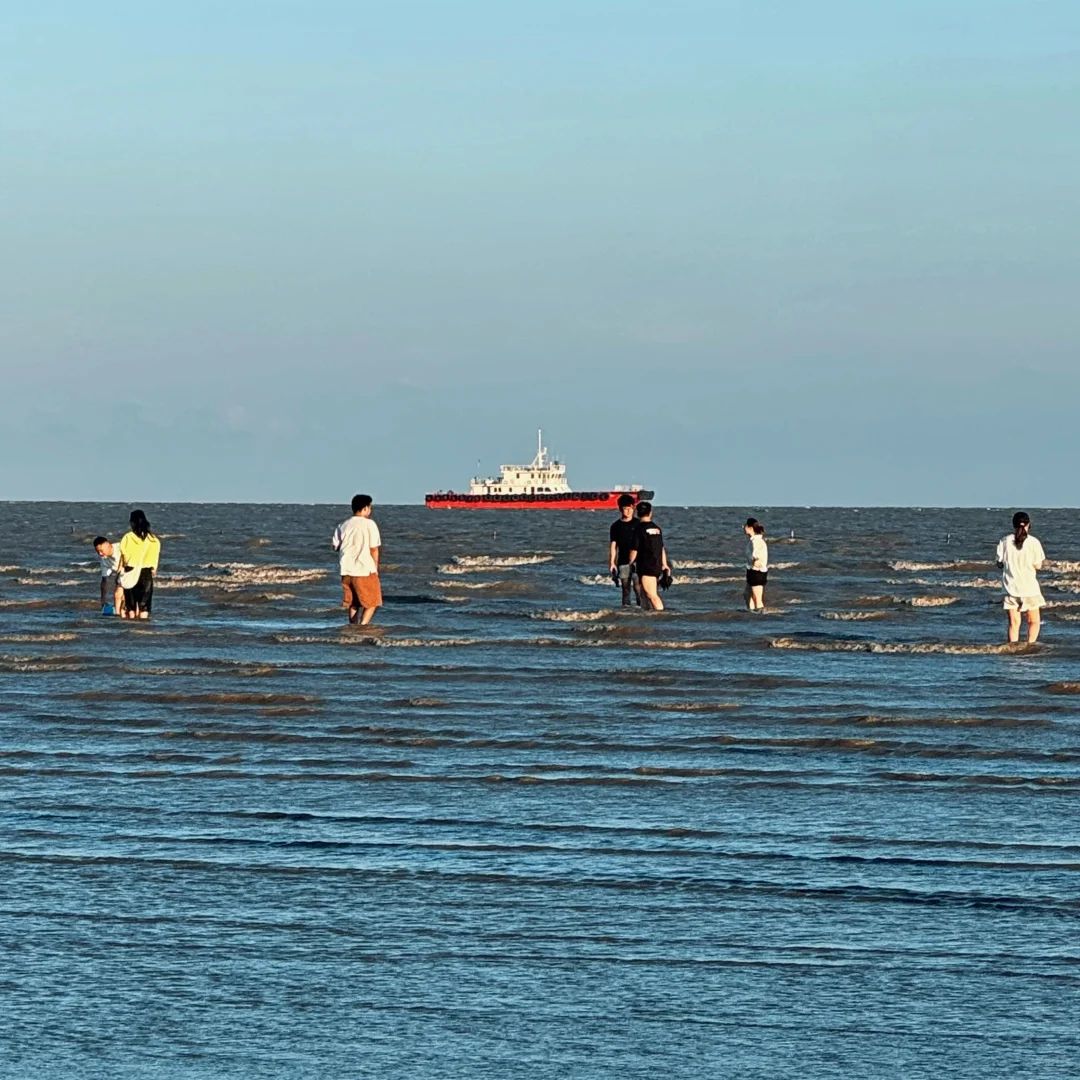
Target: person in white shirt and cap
[(1019, 556)]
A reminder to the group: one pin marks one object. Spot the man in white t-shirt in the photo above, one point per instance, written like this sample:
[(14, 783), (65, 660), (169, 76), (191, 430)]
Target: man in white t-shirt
[(112, 596), (357, 542)]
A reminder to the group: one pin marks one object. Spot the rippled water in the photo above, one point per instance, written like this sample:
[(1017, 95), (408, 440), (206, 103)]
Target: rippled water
[(520, 832)]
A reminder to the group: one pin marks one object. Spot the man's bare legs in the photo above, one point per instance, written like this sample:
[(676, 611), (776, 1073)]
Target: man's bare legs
[(361, 616), (1034, 625), (755, 597), (649, 588)]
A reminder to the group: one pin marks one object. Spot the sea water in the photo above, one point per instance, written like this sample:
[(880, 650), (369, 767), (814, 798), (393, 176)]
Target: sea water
[(517, 830)]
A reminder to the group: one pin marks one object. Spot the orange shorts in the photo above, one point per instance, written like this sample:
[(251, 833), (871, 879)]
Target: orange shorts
[(361, 592)]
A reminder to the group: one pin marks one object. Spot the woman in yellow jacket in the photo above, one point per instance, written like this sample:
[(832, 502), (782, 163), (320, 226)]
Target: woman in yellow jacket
[(140, 552)]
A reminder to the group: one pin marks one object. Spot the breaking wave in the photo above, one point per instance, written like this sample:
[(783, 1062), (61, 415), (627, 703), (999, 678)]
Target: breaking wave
[(966, 583), (466, 564), (957, 564), (374, 641), (853, 616), (597, 579), (573, 616), (894, 647), (466, 584), (696, 706), (233, 576), (50, 582), (25, 638), (706, 580)]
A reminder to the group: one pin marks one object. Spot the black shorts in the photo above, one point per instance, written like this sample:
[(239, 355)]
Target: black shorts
[(141, 595), (757, 577), (647, 571)]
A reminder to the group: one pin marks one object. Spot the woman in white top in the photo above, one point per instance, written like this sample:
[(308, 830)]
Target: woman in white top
[(757, 564), (1019, 556)]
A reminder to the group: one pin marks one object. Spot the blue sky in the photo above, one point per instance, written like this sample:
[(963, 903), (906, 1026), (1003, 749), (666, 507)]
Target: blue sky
[(754, 253)]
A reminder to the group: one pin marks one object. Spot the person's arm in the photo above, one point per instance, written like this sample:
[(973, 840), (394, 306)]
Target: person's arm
[(335, 540), (633, 555), (375, 557), (104, 588), (1040, 559), (663, 560), (612, 555)]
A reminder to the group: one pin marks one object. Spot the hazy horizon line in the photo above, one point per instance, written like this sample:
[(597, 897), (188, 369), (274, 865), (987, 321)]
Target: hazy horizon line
[(559, 510)]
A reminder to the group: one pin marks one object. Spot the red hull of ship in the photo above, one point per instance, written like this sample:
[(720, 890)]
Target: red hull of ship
[(579, 500)]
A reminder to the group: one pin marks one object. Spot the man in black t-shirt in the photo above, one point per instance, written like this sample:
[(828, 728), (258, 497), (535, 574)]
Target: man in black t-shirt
[(650, 556), (623, 538)]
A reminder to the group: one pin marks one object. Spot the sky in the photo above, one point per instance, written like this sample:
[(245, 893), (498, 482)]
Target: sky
[(765, 252)]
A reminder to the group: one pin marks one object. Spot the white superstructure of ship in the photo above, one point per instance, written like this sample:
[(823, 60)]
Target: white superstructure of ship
[(542, 484), (543, 476)]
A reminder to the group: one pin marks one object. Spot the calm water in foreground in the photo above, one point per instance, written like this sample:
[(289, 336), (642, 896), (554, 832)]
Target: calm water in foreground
[(522, 833)]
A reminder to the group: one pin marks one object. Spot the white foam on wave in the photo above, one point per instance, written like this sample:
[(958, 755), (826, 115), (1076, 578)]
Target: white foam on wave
[(853, 616), (953, 564), (7, 569), (464, 564), (231, 577), (466, 584), (931, 601), (34, 638), (573, 616), (597, 579), (967, 583), (706, 579), (46, 571), (1063, 566), (420, 643), (51, 582), (266, 573), (697, 564), (891, 647), (351, 638)]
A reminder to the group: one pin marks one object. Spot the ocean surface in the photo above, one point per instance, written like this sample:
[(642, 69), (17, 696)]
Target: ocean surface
[(516, 831)]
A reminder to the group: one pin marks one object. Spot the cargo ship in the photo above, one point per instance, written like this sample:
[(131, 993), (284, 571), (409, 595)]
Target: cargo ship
[(539, 486)]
